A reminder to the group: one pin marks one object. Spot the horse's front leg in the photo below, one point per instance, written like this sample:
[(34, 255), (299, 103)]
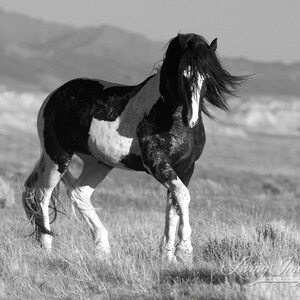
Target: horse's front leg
[(167, 247), (178, 195), (157, 159), (184, 249)]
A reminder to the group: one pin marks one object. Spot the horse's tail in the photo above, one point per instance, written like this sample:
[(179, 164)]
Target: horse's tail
[(31, 201)]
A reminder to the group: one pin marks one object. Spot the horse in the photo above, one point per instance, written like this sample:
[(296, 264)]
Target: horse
[(155, 127)]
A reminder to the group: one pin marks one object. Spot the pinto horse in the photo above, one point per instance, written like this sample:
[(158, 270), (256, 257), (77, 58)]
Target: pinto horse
[(155, 126)]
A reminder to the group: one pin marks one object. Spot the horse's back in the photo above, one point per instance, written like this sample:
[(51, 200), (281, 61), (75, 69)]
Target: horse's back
[(92, 117)]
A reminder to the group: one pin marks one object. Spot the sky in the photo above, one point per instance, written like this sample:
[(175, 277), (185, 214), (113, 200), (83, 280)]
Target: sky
[(261, 30)]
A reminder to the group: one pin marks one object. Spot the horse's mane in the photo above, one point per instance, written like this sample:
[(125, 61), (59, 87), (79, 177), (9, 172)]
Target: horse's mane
[(194, 51)]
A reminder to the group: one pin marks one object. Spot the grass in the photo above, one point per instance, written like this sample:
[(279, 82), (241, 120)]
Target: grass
[(7, 196), (245, 203), (228, 225), (136, 271)]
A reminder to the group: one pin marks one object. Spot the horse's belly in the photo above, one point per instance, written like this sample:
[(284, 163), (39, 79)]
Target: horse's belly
[(109, 143)]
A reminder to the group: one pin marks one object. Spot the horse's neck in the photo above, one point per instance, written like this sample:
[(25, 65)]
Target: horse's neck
[(148, 95), (168, 90)]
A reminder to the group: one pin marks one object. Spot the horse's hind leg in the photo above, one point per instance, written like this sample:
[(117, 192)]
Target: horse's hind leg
[(80, 192), (36, 198)]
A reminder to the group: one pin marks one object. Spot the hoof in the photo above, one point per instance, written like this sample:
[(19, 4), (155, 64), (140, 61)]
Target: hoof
[(168, 255), (46, 242), (103, 254), (184, 257), (169, 258), (184, 253)]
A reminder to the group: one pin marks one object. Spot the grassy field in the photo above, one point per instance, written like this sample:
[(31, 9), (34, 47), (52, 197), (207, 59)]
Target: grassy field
[(245, 215)]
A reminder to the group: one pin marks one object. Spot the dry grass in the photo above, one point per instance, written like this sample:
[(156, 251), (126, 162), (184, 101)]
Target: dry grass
[(135, 271), (7, 196)]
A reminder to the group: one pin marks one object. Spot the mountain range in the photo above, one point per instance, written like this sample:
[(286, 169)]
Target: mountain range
[(39, 56)]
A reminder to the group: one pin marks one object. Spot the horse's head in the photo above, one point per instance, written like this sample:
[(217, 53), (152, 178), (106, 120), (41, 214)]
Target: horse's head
[(191, 72)]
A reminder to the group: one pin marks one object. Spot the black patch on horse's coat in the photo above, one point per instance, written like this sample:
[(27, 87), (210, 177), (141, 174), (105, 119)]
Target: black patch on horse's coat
[(70, 110), (168, 147), (160, 118)]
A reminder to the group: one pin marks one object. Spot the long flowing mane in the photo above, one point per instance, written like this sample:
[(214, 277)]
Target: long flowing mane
[(194, 52)]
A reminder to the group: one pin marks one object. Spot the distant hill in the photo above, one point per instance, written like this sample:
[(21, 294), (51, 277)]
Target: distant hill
[(39, 56), (271, 79), (35, 55), (18, 29)]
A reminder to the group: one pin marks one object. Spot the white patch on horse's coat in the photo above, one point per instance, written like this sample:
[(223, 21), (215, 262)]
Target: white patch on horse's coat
[(111, 141), (193, 113)]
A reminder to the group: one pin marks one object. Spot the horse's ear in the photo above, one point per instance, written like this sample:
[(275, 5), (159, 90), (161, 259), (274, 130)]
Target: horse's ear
[(182, 41), (214, 44)]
